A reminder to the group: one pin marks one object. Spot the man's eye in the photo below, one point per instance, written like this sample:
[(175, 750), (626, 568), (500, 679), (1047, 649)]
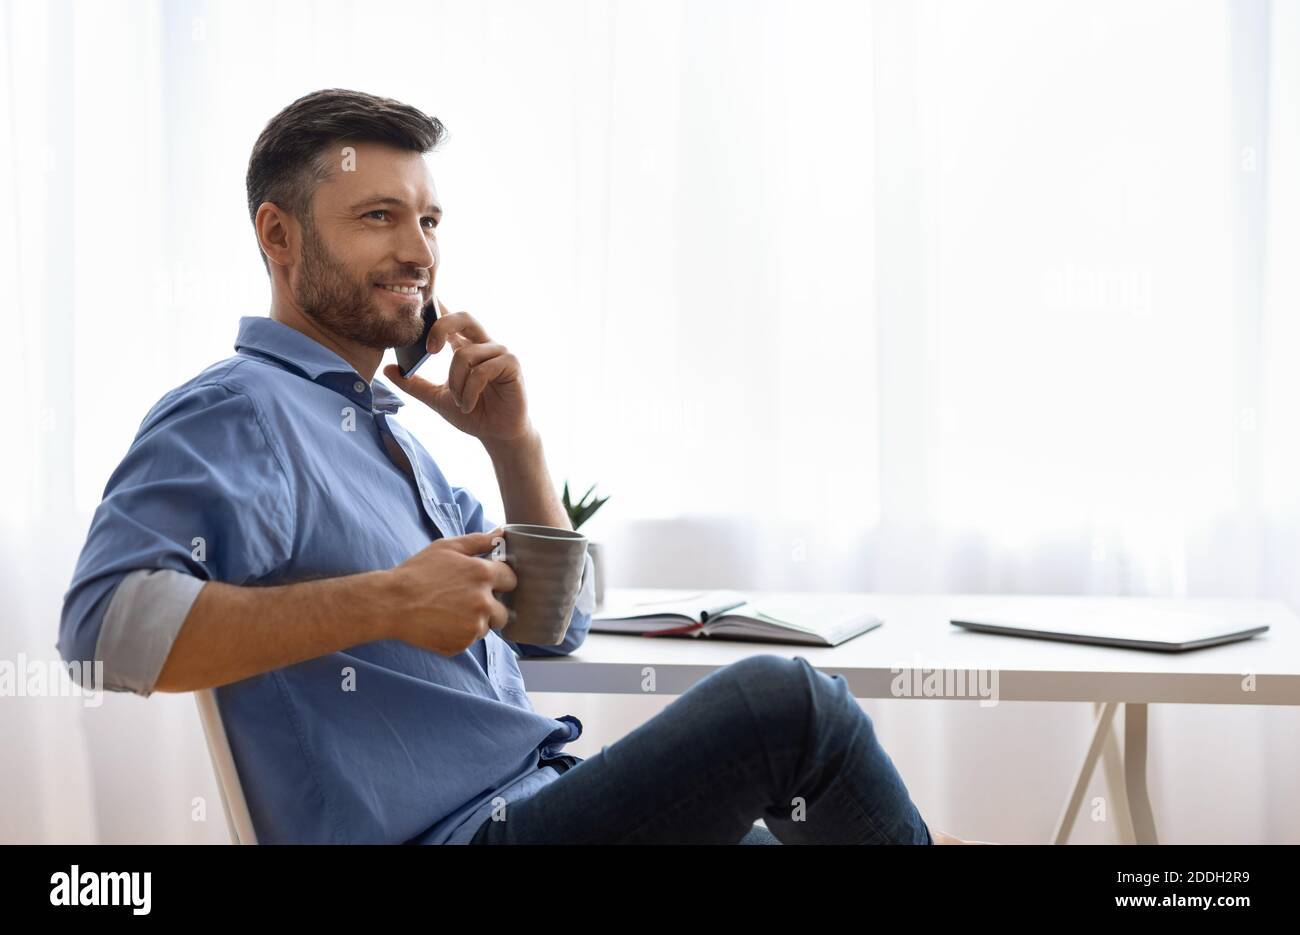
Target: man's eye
[(433, 222), (376, 211)]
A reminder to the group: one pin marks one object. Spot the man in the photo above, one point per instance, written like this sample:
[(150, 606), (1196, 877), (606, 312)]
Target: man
[(274, 533)]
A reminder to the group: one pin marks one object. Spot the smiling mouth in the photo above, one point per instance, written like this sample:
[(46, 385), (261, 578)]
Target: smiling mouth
[(401, 290)]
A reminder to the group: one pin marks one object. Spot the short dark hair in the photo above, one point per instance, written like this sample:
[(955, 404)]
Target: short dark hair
[(289, 157)]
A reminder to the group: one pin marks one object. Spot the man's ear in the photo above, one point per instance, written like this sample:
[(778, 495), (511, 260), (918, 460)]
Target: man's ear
[(276, 232)]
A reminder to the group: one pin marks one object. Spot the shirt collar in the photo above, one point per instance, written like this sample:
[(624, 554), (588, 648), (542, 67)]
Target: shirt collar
[(385, 399), (311, 358)]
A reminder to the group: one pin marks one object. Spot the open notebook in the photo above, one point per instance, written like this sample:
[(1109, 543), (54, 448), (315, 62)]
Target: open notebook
[(812, 619)]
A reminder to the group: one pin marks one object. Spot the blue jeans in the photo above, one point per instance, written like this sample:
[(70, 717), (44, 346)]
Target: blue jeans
[(766, 737)]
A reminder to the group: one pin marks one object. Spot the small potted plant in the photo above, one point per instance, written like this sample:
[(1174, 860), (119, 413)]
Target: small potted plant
[(579, 513)]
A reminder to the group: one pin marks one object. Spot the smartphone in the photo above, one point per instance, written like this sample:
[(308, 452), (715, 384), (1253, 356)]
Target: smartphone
[(410, 357)]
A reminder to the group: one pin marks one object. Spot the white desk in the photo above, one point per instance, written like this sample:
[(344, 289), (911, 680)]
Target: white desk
[(917, 636)]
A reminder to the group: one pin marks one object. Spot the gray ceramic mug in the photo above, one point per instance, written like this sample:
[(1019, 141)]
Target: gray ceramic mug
[(548, 563)]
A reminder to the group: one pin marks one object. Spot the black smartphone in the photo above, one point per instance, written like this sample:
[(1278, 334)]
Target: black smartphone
[(410, 357)]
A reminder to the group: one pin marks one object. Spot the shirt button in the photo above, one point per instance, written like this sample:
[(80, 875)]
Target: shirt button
[(359, 387)]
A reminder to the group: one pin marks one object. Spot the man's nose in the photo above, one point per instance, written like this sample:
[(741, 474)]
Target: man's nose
[(415, 248)]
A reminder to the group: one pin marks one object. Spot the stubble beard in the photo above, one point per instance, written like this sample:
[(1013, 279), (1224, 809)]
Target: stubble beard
[(334, 300)]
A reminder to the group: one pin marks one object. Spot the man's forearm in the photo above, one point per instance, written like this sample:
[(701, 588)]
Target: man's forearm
[(233, 633), (526, 489)]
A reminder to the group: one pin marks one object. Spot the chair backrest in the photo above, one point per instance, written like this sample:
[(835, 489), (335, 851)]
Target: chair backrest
[(238, 821)]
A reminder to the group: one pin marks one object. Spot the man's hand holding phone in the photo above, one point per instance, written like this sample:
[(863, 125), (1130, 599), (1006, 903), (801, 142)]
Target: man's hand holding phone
[(441, 597), (484, 393)]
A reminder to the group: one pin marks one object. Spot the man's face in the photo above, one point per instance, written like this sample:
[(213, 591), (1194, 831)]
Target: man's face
[(372, 240)]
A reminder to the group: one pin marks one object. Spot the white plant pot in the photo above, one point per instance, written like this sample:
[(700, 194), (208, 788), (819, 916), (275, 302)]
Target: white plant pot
[(597, 553)]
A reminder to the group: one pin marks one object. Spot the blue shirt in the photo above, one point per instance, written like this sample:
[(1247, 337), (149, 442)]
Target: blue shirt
[(272, 467)]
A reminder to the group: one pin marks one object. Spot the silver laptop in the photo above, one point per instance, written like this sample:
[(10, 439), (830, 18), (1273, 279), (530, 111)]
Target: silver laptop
[(1134, 628)]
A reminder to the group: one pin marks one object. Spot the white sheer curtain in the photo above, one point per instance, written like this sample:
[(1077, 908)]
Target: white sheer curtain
[(897, 296), (1085, 218)]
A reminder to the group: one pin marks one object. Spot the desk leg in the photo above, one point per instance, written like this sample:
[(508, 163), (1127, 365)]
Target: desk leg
[(1113, 771), (1101, 729), (1135, 773)]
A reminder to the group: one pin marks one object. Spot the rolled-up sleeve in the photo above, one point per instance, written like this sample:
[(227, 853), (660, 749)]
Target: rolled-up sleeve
[(471, 511), (202, 495), (140, 625)]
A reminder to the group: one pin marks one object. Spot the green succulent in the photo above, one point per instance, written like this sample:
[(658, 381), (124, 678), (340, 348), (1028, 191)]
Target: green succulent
[(583, 510)]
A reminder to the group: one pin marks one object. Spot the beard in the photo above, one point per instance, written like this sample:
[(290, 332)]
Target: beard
[(328, 294)]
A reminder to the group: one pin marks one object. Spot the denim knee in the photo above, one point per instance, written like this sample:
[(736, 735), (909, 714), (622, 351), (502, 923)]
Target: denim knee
[(798, 689), (769, 669), (777, 689)]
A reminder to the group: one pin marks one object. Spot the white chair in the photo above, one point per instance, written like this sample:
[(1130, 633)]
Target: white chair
[(238, 821)]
